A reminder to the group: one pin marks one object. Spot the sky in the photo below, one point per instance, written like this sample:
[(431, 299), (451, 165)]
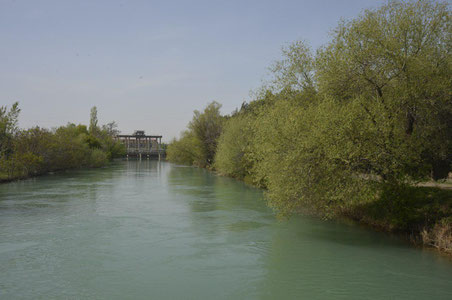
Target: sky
[(148, 64)]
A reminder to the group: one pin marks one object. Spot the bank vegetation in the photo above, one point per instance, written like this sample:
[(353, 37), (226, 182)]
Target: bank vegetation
[(350, 129), (35, 151)]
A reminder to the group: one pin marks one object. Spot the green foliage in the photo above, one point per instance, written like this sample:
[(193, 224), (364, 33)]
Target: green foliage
[(233, 144), (398, 59), (93, 128), (198, 144), (92, 141), (8, 127), (98, 158), (371, 112), (350, 130), (406, 208), (187, 150), (37, 151), (113, 148), (296, 70), (20, 165), (206, 127)]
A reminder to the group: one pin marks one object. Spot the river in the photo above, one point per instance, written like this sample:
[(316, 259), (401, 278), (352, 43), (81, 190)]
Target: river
[(154, 230)]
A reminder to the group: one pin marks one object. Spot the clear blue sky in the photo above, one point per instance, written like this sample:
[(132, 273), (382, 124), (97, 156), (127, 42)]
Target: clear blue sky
[(148, 64)]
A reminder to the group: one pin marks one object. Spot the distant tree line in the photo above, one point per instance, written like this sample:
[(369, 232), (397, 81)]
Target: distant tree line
[(35, 151), (350, 129)]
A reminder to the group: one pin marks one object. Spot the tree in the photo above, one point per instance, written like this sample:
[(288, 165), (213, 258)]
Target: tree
[(187, 150), (8, 127), (395, 63), (111, 129), (93, 128), (198, 144), (296, 70), (233, 145), (206, 126)]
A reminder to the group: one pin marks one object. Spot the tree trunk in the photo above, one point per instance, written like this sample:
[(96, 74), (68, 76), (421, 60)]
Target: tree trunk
[(409, 126)]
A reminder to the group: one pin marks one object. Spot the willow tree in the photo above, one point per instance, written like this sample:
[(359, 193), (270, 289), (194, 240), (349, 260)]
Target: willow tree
[(186, 150), (370, 112), (207, 126), (233, 145), (198, 144), (296, 70), (393, 65)]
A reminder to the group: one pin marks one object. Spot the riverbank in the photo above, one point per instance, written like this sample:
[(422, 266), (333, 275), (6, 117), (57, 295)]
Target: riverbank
[(349, 129), (31, 152), (4, 178), (423, 216)]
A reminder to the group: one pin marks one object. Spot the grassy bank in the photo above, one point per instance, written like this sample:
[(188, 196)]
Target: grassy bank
[(351, 129), (36, 151)]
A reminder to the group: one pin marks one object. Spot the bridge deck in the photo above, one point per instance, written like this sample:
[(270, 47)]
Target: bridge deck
[(141, 145)]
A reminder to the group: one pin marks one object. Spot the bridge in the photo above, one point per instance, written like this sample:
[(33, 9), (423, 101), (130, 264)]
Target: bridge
[(140, 145)]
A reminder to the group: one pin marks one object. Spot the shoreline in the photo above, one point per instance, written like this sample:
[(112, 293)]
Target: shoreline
[(9, 180), (414, 235)]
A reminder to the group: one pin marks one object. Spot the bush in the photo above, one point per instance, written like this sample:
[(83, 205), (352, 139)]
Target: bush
[(233, 145), (98, 158), (36, 151)]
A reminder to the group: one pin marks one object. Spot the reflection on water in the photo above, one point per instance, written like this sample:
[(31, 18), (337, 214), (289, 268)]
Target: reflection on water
[(148, 229)]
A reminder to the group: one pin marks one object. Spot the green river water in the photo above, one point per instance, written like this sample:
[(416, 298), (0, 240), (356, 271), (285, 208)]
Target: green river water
[(153, 230)]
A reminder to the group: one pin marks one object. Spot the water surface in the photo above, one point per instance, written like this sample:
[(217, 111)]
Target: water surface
[(153, 230)]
